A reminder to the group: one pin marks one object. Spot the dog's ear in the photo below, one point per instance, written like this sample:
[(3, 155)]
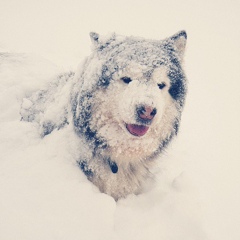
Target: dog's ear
[(94, 37), (179, 42), (101, 42)]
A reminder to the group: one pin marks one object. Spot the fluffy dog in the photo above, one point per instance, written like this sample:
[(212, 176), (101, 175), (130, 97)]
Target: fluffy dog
[(125, 104)]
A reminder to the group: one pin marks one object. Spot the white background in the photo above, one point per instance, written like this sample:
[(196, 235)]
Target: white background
[(41, 196)]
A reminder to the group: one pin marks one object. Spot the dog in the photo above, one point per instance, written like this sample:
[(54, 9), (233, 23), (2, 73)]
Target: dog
[(125, 105)]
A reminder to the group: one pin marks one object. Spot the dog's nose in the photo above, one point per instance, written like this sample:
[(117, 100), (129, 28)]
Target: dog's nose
[(146, 112)]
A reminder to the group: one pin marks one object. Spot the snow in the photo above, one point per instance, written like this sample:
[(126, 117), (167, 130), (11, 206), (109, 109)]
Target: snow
[(44, 195)]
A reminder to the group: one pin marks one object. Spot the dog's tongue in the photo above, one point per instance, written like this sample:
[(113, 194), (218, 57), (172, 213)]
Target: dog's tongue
[(137, 130)]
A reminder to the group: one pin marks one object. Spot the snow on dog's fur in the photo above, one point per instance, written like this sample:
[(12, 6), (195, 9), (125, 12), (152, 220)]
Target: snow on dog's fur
[(125, 105)]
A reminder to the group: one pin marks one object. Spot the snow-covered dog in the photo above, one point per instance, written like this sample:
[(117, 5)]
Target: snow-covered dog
[(125, 105)]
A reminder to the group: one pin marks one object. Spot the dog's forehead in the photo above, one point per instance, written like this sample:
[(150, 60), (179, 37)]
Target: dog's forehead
[(142, 51), (160, 74), (142, 72), (134, 70), (145, 52)]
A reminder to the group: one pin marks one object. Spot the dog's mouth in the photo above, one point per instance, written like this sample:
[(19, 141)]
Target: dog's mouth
[(137, 130)]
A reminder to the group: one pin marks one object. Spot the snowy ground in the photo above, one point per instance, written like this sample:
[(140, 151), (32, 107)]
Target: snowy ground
[(43, 195)]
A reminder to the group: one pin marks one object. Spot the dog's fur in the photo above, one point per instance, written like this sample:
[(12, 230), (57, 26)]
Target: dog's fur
[(125, 106)]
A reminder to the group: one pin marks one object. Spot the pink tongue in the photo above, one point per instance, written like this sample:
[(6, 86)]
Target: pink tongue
[(137, 130)]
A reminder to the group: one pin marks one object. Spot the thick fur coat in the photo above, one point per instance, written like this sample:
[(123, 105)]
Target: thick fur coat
[(125, 104)]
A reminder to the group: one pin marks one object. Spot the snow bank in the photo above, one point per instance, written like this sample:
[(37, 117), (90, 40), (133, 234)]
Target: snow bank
[(44, 195)]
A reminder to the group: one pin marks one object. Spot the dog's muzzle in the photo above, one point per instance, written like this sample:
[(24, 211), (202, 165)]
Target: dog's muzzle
[(144, 116)]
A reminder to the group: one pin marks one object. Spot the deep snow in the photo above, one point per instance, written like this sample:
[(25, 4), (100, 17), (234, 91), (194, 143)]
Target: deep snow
[(44, 195)]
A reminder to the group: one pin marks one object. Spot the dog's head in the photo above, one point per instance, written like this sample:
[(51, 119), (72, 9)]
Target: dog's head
[(130, 93)]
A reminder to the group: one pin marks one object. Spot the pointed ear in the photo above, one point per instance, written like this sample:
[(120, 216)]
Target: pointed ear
[(94, 37), (179, 42), (101, 42)]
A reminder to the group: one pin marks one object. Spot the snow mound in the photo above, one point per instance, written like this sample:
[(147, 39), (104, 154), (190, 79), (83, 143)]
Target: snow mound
[(44, 195)]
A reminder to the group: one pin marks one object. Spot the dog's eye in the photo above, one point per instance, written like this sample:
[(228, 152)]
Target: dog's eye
[(126, 80), (161, 85)]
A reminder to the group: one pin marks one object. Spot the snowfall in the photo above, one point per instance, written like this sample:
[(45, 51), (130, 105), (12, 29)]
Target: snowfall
[(43, 193)]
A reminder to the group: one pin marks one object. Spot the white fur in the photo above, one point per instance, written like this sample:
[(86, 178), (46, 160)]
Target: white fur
[(112, 109), (110, 116)]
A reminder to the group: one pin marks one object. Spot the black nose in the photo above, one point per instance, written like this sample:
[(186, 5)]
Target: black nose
[(146, 112)]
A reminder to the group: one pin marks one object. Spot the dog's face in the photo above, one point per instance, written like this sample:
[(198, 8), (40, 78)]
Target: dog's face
[(134, 113), (142, 100), (137, 92)]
